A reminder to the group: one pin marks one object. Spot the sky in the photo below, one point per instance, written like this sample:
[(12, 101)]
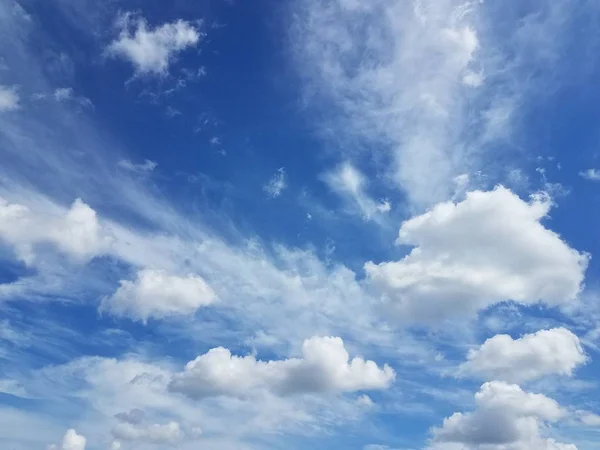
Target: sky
[(305, 224)]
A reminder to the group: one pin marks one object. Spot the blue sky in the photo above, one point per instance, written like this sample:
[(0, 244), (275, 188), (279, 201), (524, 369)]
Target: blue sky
[(311, 224)]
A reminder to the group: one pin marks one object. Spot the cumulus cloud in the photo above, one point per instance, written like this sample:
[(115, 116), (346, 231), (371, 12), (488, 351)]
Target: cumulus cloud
[(9, 98), (555, 351), (488, 248), (70, 441), (76, 231), (325, 366), (276, 184), (152, 50), (348, 182), (158, 294), (505, 418)]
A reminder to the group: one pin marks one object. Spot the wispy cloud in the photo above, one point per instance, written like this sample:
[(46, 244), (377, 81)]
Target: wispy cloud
[(142, 168), (348, 182), (277, 184), (368, 65)]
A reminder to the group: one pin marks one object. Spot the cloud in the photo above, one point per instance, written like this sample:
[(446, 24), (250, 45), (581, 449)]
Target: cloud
[(169, 433), (590, 174), (66, 94), (546, 352), (372, 61), (488, 248), (505, 418), (152, 50), (146, 167), (76, 232), (9, 98), (71, 441), (366, 66), (348, 182), (277, 184), (157, 294), (324, 367)]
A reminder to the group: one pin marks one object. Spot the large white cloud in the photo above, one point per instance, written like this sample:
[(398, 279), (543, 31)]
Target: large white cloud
[(505, 418), (151, 50), (324, 367), (71, 441), (76, 231), (488, 248), (157, 294), (555, 351)]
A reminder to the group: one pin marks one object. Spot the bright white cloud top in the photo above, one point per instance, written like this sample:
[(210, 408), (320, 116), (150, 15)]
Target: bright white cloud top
[(151, 50), (325, 366), (157, 294), (546, 352), (506, 417), (488, 248)]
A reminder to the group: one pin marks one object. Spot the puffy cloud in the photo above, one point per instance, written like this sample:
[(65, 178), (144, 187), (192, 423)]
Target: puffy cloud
[(70, 441), (76, 231), (490, 247), (277, 184), (348, 182), (555, 351), (325, 366), (151, 50), (168, 433), (505, 418), (157, 294), (9, 98)]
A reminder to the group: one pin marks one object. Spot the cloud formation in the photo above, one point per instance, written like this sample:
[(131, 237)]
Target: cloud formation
[(505, 418), (348, 182), (325, 366), (466, 256), (9, 98), (546, 352), (157, 294), (70, 441), (76, 232), (152, 50)]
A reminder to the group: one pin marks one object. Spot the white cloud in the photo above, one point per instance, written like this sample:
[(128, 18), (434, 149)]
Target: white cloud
[(555, 351), (490, 247), (590, 174), (152, 50), (67, 94), (157, 294), (372, 60), (325, 367), (505, 418), (348, 182), (143, 168), (9, 98), (277, 184), (169, 433), (76, 231), (71, 441)]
